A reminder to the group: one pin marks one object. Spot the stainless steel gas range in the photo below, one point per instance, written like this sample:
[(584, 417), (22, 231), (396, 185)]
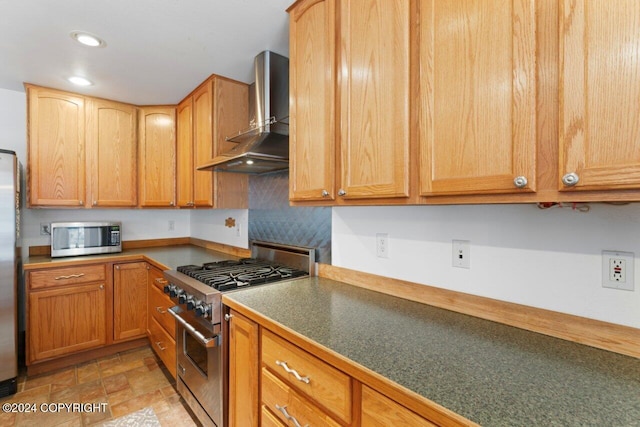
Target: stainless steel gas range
[(200, 332)]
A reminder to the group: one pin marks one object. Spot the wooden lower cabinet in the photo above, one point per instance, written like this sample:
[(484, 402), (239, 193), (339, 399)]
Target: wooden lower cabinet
[(243, 371), (66, 320), (66, 311), (161, 325), (295, 387), (380, 411), (129, 300)]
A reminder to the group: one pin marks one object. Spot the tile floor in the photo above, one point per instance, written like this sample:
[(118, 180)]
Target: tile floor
[(125, 382)]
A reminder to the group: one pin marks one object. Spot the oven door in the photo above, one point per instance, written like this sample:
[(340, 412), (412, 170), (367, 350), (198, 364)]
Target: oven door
[(200, 375)]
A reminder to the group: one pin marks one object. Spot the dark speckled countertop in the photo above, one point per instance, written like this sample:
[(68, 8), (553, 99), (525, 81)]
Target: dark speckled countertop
[(492, 374), (168, 257)]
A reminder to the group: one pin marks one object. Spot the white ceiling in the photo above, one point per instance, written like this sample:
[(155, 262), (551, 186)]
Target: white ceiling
[(157, 50)]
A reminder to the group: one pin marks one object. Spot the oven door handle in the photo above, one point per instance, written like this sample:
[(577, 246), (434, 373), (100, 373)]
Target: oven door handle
[(207, 342)]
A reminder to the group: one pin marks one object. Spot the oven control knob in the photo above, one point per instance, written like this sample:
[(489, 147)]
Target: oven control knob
[(182, 298), (202, 310), (191, 303), (166, 288)]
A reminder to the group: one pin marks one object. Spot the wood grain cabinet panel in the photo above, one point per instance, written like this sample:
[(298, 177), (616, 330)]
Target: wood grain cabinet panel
[(244, 372), (374, 135), (312, 139), (214, 110), (380, 411), (157, 156), (599, 92), (56, 148), (64, 319), (319, 381), (477, 117), (129, 300), (112, 153), (161, 326)]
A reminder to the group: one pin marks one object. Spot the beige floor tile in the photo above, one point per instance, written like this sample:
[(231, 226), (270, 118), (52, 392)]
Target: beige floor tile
[(121, 367), (57, 380), (88, 372), (135, 404), (115, 383)]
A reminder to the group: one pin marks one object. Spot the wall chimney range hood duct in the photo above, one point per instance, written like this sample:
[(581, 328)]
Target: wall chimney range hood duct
[(264, 147)]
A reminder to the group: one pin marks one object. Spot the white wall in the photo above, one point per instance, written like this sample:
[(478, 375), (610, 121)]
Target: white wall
[(543, 258), (137, 224)]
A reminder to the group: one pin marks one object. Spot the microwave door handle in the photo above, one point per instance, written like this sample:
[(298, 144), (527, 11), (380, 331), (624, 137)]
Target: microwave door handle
[(207, 342)]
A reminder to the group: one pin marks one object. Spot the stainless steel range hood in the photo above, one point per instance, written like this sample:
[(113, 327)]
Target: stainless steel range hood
[(264, 147)]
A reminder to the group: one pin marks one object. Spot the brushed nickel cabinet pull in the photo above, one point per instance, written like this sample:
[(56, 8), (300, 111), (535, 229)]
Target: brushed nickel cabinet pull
[(291, 418), (70, 276), (159, 344), (293, 372), (160, 310)]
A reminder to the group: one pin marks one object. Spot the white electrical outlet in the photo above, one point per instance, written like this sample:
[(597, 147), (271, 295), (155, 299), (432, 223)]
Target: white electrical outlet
[(617, 270), (172, 225), (461, 253), (382, 245)]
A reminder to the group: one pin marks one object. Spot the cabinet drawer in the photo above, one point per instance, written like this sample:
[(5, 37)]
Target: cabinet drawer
[(380, 411), (67, 276), (159, 303), (328, 386), (276, 394), (269, 420), (164, 346)]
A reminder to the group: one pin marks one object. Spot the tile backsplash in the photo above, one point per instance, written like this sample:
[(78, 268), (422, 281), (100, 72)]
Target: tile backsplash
[(271, 218)]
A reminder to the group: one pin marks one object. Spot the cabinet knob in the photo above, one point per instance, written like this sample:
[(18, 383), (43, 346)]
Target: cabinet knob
[(101, 286), (570, 179), (341, 192), (80, 202), (172, 203), (95, 203), (520, 181), (228, 317), (325, 193), (117, 267)]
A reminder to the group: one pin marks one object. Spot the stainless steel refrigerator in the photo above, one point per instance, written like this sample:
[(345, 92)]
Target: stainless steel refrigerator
[(9, 257)]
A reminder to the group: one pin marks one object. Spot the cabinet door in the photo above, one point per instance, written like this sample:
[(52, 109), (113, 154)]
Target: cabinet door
[(374, 99), (599, 92), (184, 153), (112, 145), (202, 145), (380, 411), (66, 320), (312, 107), (230, 114), (243, 371), (157, 156), (129, 300), (477, 96), (56, 164)]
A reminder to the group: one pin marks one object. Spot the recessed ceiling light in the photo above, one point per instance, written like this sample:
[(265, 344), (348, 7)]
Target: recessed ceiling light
[(80, 81), (88, 39)]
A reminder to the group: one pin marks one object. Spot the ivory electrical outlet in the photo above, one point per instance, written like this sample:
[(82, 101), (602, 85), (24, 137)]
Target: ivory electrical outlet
[(617, 270), (461, 253)]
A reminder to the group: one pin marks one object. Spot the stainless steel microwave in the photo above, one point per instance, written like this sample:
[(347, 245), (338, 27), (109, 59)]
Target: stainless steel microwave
[(85, 238)]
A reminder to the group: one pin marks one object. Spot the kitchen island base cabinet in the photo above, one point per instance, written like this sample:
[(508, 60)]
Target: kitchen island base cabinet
[(243, 371), (291, 384)]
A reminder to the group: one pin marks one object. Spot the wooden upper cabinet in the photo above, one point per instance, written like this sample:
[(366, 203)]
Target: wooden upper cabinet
[(477, 96), (230, 114), (157, 156), (202, 144), (216, 109), (599, 93), (312, 111), (184, 152), (374, 95), (112, 153), (56, 148)]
